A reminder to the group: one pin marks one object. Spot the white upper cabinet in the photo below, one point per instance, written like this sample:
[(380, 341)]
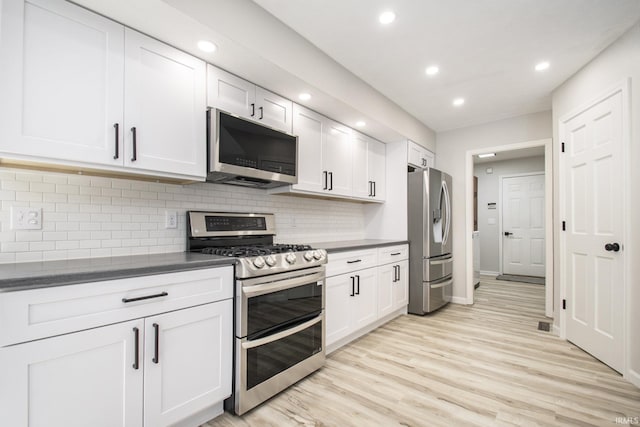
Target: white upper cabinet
[(234, 95), (61, 82), (369, 168), (420, 157), (336, 159), (74, 83), (165, 107), (310, 128)]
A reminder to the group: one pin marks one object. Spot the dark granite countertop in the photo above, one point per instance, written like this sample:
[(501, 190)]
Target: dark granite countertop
[(33, 275), (353, 245)]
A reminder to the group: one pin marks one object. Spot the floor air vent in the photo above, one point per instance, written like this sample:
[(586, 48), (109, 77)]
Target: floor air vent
[(544, 326)]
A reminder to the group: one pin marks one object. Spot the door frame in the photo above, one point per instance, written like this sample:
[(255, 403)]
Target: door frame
[(623, 87), (548, 214), (500, 199)]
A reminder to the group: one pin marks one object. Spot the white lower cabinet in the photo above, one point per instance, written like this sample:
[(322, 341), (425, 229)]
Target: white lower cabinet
[(169, 368), (364, 289), (351, 302)]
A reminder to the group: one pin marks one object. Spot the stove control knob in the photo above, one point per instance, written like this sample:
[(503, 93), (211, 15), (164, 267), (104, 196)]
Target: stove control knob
[(308, 256), (318, 255), (270, 260), (290, 257), (258, 262)]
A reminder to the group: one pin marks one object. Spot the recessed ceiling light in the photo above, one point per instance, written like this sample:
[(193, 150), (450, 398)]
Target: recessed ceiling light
[(485, 155), (542, 66), (387, 17), (458, 102), (207, 46), (432, 70), (360, 124), (304, 97)]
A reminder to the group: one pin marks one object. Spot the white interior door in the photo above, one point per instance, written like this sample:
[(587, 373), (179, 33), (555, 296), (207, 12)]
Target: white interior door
[(523, 225), (593, 207)]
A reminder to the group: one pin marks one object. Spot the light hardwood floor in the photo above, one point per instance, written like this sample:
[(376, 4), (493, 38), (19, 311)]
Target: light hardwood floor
[(485, 365)]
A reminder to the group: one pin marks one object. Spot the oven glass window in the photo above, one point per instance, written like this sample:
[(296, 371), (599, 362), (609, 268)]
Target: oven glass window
[(268, 360), (274, 311)]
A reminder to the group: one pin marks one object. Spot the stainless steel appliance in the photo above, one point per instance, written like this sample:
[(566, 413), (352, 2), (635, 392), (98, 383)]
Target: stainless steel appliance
[(430, 255), (246, 153), (279, 302)]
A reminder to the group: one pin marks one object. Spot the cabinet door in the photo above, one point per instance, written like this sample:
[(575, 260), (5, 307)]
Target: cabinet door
[(61, 82), (430, 158), (386, 277), (401, 286), (415, 157), (165, 108), (273, 110), (310, 128), (340, 294), (230, 93), (336, 156), (362, 186), (82, 379), (187, 362), (365, 304), (377, 168)]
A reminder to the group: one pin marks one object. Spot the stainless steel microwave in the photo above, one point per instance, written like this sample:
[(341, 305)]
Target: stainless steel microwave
[(244, 152)]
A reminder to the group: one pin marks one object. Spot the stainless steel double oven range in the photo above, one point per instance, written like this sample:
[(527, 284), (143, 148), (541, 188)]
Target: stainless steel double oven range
[(279, 302)]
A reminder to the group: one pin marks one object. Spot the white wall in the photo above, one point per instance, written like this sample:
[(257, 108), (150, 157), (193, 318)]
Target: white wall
[(452, 147), (489, 192), (618, 62), (85, 216)]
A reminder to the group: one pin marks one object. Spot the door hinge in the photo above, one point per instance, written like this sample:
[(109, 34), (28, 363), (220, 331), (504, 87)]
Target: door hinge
[(564, 304), (563, 147), (564, 226)]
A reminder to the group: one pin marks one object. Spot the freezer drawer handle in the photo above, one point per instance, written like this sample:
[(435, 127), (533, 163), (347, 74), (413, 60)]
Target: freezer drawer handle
[(442, 285), (161, 294)]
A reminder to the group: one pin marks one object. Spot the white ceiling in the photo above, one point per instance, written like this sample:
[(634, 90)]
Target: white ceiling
[(486, 49), (510, 155)]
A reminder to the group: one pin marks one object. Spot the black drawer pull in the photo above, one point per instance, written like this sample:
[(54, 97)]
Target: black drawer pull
[(396, 253), (161, 294), (353, 262)]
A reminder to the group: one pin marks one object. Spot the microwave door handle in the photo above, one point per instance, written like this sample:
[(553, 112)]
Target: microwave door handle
[(283, 334)]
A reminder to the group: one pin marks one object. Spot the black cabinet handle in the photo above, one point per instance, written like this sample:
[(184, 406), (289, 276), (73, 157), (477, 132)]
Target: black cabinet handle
[(370, 188), (161, 294), (117, 128), (261, 113), (508, 233), (615, 247), (330, 181), (134, 156), (156, 346), (395, 275), (374, 188), (353, 286), (357, 284), (353, 262), (136, 359), (396, 253), (398, 273), (325, 180), (253, 110)]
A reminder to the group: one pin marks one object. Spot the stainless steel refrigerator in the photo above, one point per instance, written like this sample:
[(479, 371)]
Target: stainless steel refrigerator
[(430, 255)]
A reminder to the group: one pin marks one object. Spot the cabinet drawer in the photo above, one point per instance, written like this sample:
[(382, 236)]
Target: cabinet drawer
[(40, 313), (344, 262), (392, 254)]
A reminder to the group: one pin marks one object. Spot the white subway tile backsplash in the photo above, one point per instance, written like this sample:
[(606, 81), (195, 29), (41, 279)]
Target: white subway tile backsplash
[(86, 216)]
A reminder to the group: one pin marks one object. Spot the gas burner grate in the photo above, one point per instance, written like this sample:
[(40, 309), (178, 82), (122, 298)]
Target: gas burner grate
[(247, 251)]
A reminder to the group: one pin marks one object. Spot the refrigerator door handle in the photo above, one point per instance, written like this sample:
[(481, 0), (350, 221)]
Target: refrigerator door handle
[(447, 202)]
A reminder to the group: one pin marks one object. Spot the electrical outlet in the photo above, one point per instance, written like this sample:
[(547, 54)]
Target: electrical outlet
[(26, 218), (171, 219)]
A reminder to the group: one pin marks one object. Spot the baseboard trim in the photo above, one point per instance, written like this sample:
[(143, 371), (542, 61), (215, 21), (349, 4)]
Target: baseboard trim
[(489, 273), (555, 329), (460, 300), (633, 377)]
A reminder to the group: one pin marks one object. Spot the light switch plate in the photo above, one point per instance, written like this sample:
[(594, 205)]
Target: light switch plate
[(26, 218)]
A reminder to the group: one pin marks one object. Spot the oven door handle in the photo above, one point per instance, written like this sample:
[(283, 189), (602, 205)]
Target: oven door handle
[(266, 288), (283, 334)]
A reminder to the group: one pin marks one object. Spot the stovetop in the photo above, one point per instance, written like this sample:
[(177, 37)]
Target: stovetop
[(249, 238)]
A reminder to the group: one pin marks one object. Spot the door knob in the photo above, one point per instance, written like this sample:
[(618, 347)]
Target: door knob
[(615, 247), (508, 233)]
